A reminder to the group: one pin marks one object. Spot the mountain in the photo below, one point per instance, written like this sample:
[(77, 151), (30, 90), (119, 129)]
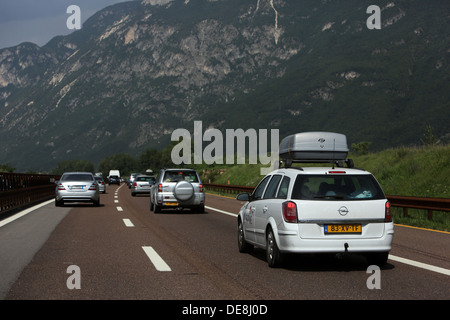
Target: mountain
[(138, 70)]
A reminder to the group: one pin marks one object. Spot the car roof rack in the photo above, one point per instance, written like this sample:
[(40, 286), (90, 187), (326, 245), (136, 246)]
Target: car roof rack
[(315, 147)]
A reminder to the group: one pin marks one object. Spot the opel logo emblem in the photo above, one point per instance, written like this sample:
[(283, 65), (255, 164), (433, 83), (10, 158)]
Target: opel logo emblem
[(343, 211)]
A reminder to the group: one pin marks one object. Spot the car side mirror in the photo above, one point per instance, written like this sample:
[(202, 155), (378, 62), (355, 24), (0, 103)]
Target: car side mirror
[(243, 197)]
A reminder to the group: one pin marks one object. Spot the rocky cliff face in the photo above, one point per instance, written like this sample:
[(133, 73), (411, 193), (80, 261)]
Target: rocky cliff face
[(138, 70)]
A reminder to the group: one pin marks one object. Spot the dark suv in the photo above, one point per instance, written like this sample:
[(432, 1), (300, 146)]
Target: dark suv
[(114, 180)]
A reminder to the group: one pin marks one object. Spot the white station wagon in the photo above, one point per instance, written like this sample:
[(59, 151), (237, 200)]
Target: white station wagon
[(316, 209)]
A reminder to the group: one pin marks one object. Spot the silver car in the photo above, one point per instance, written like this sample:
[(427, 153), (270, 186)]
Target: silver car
[(142, 184), (101, 184), (131, 179), (177, 188), (77, 187)]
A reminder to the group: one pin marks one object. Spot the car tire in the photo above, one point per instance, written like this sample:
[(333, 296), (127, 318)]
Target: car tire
[(243, 245), (151, 205), (59, 203), (97, 203), (157, 208), (273, 254)]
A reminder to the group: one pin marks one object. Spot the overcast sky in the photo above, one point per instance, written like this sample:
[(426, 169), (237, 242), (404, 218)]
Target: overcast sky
[(38, 21)]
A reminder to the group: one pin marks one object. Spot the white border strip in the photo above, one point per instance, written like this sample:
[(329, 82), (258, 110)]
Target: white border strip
[(420, 265), (157, 261), (221, 211), (24, 212)]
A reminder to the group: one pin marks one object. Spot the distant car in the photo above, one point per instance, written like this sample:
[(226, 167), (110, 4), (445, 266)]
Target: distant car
[(101, 184), (131, 179), (114, 180), (77, 187), (177, 188), (142, 185)]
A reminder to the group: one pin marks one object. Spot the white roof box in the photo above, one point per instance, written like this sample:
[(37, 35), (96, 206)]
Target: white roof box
[(314, 147)]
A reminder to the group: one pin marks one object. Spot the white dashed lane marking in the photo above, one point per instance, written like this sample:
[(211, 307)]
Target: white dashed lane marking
[(157, 261), (128, 222)]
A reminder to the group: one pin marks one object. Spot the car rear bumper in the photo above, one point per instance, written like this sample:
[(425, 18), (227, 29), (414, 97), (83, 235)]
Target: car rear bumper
[(140, 190), (289, 241), (168, 200), (87, 196)]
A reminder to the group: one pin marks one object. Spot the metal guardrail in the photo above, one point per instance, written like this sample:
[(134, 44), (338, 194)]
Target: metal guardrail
[(405, 202), (21, 189)]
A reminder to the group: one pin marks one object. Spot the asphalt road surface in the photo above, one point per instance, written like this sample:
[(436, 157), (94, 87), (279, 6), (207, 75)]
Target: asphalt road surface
[(122, 250)]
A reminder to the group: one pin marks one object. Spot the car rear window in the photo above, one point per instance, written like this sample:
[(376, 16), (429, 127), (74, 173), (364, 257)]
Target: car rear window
[(149, 179), (336, 187), (175, 176), (77, 177)]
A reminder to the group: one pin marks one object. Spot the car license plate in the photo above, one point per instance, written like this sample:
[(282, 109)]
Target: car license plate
[(342, 228), (170, 203), (76, 187)]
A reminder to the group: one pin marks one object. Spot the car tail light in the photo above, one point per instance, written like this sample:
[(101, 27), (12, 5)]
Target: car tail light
[(387, 212), (290, 211), (93, 187), (201, 188), (134, 184), (336, 171), (61, 187), (160, 187)]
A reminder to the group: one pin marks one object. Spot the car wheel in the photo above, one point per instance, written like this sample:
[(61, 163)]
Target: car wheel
[(243, 245), (273, 254)]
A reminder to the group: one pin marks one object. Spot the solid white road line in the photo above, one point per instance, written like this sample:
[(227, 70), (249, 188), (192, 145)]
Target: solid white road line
[(420, 265), (24, 212), (128, 222), (221, 211), (157, 261)]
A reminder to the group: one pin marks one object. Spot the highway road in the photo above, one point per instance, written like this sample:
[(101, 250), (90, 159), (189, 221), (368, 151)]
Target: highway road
[(122, 250)]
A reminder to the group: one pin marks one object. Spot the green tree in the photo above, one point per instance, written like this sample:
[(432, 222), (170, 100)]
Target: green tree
[(123, 162), (73, 165), (7, 168), (361, 148), (429, 139)]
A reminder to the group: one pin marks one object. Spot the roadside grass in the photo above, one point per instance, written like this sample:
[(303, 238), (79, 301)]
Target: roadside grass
[(422, 171)]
